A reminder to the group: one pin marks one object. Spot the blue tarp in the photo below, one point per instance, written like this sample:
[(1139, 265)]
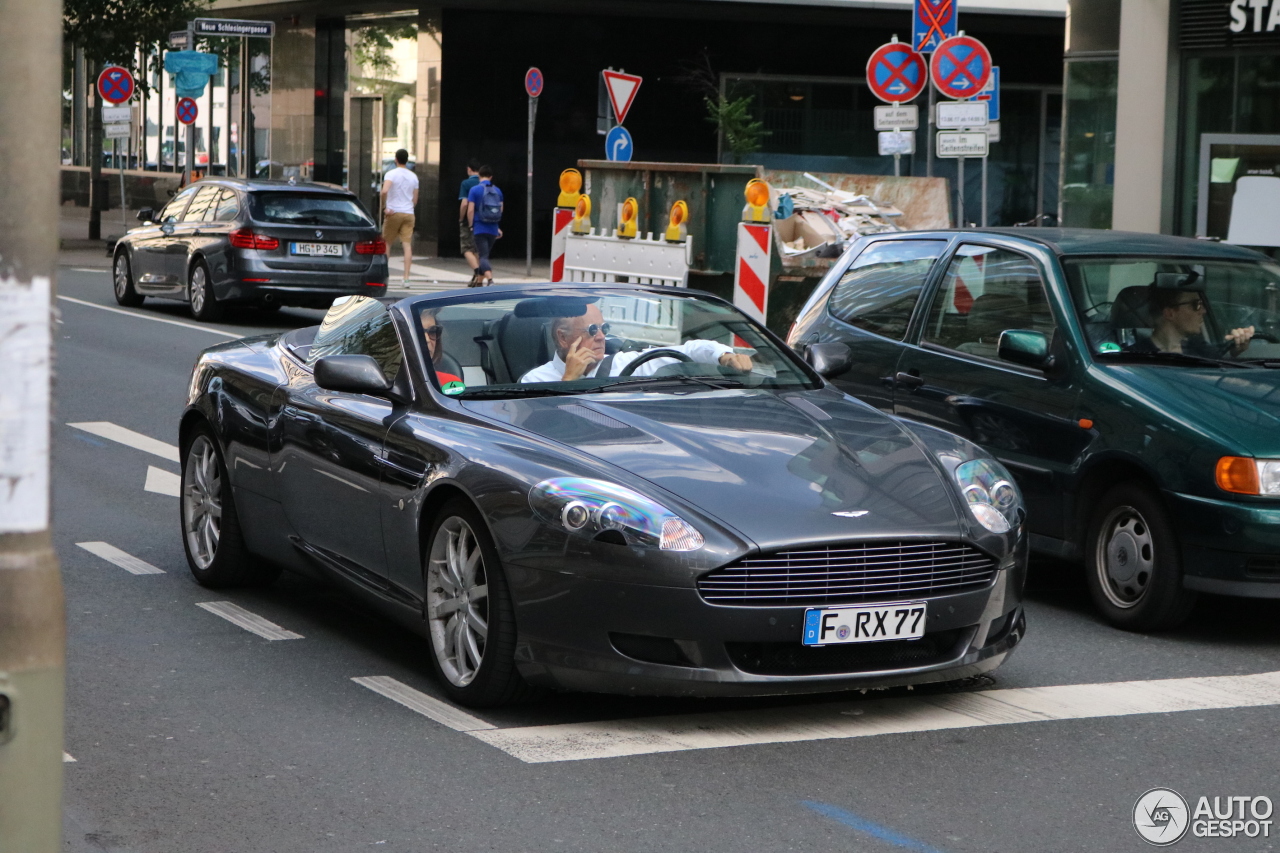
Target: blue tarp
[(192, 70)]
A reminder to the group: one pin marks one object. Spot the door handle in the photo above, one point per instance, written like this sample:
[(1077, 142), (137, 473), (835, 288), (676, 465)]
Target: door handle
[(907, 380)]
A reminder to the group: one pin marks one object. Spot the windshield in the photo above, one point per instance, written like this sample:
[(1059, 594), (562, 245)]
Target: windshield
[(1175, 311), (308, 209), (599, 341)]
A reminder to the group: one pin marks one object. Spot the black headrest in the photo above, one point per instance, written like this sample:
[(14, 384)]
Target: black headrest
[(524, 342), (1132, 308)]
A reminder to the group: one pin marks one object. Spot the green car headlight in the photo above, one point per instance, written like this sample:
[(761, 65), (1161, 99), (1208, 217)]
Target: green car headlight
[(990, 493)]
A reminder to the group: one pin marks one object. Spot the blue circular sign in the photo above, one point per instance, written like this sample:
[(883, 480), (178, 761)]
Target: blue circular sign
[(617, 145), (533, 82)]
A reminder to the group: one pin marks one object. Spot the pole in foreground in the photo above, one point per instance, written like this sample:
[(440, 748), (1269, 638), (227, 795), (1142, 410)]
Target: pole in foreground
[(533, 83), (32, 627)]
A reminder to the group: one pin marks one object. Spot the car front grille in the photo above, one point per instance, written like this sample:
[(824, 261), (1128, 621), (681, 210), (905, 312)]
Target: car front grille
[(848, 573), (794, 659)]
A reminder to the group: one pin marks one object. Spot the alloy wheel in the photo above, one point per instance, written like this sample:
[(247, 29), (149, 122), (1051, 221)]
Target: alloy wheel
[(121, 277), (198, 289), (202, 502), (1126, 557), (457, 601)]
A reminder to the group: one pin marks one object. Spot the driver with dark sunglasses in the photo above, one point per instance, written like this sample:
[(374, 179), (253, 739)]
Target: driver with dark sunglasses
[(434, 333), (580, 349), (1179, 326)]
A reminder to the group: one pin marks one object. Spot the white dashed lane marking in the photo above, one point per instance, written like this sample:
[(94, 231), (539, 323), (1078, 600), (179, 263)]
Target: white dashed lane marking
[(222, 333), (252, 622), (868, 718), (129, 438), (162, 482), (67, 759), (428, 706), (126, 561)]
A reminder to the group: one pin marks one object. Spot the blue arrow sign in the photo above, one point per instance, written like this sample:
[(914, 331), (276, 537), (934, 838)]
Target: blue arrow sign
[(617, 145), (991, 94)]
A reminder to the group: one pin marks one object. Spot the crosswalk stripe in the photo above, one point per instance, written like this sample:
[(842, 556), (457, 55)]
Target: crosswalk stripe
[(129, 438), (579, 741), (162, 482), (428, 706), (252, 622), (124, 560)]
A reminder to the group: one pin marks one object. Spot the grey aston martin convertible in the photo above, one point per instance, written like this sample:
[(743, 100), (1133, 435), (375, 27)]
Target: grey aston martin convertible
[(612, 488)]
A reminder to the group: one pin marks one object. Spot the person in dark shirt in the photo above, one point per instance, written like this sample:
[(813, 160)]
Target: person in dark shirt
[(1179, 326)]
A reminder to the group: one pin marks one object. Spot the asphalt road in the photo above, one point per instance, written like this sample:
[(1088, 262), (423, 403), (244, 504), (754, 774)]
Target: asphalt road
[(191, 733)]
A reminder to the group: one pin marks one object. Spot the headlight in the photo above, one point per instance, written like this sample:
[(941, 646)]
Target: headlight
[(1245, 475), (990, 493), (589, 508)]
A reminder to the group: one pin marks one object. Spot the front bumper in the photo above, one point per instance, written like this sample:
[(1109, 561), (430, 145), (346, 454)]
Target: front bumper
[(1228, 547), (574, 631)]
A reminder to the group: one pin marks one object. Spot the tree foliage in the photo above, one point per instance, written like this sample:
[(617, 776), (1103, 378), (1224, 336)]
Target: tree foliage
[(111, 31), (742, 133), (373, 46)]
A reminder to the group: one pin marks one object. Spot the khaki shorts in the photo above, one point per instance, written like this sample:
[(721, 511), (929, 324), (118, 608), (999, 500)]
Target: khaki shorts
[(467, 237), (398, 226)]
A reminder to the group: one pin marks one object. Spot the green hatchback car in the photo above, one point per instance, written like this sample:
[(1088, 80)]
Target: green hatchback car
[(1131, 383)]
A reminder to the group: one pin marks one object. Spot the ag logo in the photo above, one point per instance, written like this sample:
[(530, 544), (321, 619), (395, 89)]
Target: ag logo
[(1161, 816)]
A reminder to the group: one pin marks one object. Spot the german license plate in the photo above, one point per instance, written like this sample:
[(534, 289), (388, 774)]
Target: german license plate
[(825, 626), (333, 250)]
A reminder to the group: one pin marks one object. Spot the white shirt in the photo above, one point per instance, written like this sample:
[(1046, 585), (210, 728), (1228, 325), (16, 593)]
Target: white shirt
[(707, 352), (400, 194)]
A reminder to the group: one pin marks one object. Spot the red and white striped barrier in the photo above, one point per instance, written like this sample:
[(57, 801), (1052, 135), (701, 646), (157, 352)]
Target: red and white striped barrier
[(561, 219), (751, 274)]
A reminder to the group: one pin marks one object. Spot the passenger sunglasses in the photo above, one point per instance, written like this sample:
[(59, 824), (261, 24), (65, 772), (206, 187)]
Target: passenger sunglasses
[(596, 328), (434, 332)]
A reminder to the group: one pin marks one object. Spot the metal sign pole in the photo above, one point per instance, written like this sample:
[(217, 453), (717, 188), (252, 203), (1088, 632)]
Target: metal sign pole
[(124, 207), (528, 194), (960, 194), (929, 139), (984, 192), (897, 165), (191, 128)]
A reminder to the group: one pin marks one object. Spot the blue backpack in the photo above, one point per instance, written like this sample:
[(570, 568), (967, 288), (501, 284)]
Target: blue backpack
[(489, 211)]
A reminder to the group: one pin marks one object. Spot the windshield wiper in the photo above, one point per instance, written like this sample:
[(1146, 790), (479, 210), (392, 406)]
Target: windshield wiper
[(501, 393), (715, 382), (1271, 363), (1174, 358)]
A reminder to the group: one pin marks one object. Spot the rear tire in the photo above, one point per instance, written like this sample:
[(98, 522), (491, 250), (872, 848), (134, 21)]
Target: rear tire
[(211, 537), (469, 612), (204, 307), (1134, 563), (122, 281)]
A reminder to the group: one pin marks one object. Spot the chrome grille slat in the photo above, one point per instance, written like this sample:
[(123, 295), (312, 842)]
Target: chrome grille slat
[(848, 573)]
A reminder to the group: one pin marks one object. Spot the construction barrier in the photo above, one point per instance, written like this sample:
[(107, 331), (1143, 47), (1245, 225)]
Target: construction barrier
[(755, 249), (561, 219), (642, 260)]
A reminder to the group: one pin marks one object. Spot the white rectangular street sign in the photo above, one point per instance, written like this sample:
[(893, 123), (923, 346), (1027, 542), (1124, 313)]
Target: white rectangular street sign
[(897, 142), (962, 115), (953, 143), (231, 27), (115, 115), (178, 40), (993, 131), (116, 130), (897, 118)]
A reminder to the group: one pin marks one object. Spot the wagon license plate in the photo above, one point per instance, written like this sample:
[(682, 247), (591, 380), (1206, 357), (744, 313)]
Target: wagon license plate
[(825, 626), (332, 250)]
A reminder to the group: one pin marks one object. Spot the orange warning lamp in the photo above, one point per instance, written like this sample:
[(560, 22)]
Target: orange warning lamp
[(582, 215), (677, 230), (627, 219), (757, 207), (570, 188)]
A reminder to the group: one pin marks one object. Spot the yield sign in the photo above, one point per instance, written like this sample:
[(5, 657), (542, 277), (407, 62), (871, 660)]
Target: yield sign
[(622, 91), (960, 67), (896, 73)]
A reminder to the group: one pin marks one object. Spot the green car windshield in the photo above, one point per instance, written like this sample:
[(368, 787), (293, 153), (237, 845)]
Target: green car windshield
[(1178, 311), (576, 341)]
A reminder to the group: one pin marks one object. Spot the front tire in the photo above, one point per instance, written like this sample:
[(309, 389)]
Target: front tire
[(469, 612), (204, 307), (216, 552), (1134, 563), (122, 281)]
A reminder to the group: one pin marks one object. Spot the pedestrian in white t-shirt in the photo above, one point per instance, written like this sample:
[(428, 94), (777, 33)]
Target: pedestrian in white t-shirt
[(399, 200)]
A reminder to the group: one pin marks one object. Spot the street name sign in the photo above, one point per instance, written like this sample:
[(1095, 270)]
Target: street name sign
[(897, 118), (894, 142), (622, 90), (969, 143), (115, 84), (960, 67), (232, 27), (180, 40), (961, 115), (896, 73), (932, 22)]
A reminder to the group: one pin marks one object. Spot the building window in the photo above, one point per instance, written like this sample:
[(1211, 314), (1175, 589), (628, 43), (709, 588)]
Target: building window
[(1089, 142)]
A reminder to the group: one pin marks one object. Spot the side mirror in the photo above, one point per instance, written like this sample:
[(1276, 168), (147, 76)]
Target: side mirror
[(828, 359), (1025, 347), (355, 374), (146, 215)]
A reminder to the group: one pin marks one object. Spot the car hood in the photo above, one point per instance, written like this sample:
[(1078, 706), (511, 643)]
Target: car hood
[(1239, 408), (775, 467)]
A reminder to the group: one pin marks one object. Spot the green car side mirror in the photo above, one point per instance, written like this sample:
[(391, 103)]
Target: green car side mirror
[(1025, 347)]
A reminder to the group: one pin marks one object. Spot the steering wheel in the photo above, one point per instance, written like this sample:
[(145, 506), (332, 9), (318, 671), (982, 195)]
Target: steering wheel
[(660, 352)]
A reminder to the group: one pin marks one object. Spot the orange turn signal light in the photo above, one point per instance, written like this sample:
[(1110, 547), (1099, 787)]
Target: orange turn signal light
[(1084, 423), (1238, 474)]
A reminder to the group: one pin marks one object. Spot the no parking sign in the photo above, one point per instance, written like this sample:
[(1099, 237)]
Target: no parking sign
[(960, 67), (187, 110), (896, 73)]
